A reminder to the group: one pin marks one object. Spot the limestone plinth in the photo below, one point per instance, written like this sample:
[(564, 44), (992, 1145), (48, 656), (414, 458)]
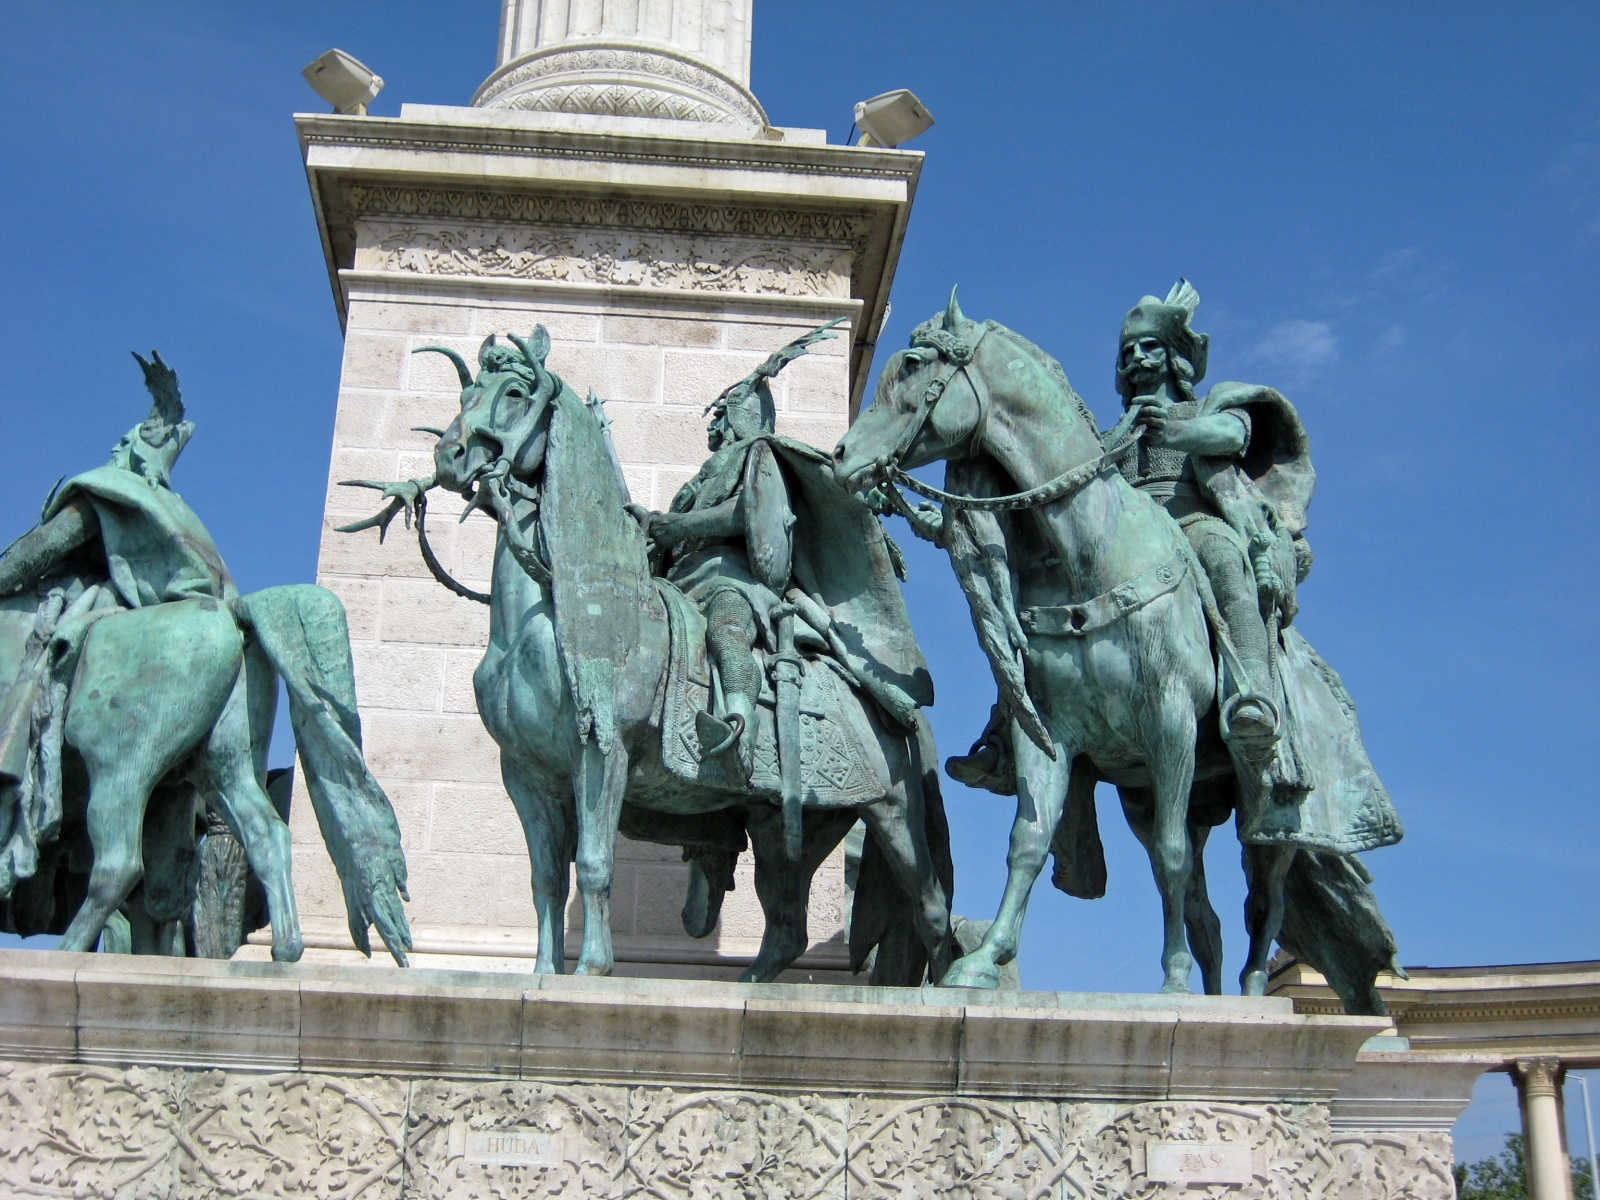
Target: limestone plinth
[(667, 257), (183, 1073)]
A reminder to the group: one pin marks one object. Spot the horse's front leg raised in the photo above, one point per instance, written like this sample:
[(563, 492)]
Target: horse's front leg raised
[(545, 809), (1041, 793), (1265, 869), (597, 784)]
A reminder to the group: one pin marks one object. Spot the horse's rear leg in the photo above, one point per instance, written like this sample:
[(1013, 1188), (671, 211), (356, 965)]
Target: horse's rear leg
[(118, 793), (784, 887), (547, 824), (1041, 793), (226, 774), (1265, 869), (598, 785)]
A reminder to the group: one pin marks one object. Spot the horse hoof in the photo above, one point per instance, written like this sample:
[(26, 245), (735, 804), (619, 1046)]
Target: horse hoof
[(1254, 983), (595, 969), (289, 952), (973, 971), (1177, 985)]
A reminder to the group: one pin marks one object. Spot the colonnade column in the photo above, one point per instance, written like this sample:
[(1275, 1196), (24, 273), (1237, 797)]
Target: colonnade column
[(1538, 1083)]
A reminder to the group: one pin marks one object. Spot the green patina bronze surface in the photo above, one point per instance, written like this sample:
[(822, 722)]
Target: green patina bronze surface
[(1134, 592), (140, 691), (738, 670)]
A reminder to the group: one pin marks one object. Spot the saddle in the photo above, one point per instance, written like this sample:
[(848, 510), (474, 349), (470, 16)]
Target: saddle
[(836, 770)]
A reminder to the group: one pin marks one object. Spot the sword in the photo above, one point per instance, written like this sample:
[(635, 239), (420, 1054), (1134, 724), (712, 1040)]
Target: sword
[(786, 683)]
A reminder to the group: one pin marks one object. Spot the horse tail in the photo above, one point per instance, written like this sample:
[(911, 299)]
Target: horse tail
[(301, 629), (1331, 922)]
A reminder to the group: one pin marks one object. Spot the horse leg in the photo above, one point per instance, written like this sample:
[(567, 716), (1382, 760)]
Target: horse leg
[(1200, 918), (1201, 923), (226, 773), (1041, 793), (547, 824), (598, 786), (1265, 869), (1170, 754), (896, 824), (118, 793), (784, 887)]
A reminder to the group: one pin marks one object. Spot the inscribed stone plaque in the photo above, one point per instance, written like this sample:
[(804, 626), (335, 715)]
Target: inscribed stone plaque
[(1198, 1162)]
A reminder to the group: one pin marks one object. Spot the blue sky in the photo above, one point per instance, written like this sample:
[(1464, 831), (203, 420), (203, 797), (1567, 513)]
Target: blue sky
[(1392, 213)]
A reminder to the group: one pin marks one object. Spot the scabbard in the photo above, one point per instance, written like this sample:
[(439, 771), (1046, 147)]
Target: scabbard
[(786, 683)]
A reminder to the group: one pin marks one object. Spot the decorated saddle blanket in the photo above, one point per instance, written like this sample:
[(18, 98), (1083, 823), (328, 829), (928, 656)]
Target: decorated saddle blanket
[(836, 768)]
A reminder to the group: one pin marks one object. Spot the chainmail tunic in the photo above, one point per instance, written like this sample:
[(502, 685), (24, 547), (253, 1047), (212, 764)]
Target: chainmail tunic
[(1167, 475)]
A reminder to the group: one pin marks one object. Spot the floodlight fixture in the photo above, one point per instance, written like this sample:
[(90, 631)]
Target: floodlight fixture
[(891, 119), (343, 82)]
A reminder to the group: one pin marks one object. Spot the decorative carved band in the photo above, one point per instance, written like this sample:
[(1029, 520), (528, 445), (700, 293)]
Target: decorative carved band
[(535, 208), (619, 257), (618, 79)]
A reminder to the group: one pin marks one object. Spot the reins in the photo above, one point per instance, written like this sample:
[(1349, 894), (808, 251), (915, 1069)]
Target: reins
[(1055, 489)]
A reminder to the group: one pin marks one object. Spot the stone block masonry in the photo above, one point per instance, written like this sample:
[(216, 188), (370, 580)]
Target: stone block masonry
[(140, 1077)]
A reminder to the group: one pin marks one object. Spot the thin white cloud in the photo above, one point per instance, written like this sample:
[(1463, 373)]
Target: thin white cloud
[(1391, 338), (1303, 347)]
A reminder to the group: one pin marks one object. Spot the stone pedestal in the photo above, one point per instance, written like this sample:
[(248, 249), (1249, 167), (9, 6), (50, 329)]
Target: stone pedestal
[(146, 1077), (667, 251)]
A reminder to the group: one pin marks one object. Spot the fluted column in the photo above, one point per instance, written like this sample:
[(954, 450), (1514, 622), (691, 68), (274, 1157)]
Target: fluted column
[(686, 60), (1545, 1160)]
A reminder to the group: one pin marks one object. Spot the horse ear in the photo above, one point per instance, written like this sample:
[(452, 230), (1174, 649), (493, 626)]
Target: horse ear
[(953, 318), (539, 343), (483, 351)]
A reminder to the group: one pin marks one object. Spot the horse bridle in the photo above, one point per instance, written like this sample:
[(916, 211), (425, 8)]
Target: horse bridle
[(1062, 485)]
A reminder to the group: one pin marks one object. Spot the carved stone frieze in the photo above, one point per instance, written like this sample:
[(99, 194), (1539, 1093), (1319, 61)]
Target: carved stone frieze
[(724, 1143), (74, 1131), (607, 256), (966, 1149), (1385, 1165), (621, 80), (512, 1139), (71, 1130), (848, 229)]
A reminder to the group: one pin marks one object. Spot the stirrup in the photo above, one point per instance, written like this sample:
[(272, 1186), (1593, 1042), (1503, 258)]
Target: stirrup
[(725, 733), (1252, 746)]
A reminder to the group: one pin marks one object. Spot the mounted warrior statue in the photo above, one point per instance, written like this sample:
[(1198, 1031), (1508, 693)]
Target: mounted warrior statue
[(1134, 593), (139, 685), (625, 701)]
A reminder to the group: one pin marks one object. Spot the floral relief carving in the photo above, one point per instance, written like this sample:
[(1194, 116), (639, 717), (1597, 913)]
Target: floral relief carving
[(966, 1149), (1385, 1165), (622, 258), (734, 1145), (79, 1131), (581, 1131), (1289, 1148)]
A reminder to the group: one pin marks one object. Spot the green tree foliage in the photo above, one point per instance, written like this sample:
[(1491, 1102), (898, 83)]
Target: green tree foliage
[(1503, 1177)]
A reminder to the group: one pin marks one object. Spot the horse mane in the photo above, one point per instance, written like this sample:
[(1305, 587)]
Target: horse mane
[(1052, 368)]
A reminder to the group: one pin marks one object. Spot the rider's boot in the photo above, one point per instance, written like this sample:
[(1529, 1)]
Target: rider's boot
[(988, 764)]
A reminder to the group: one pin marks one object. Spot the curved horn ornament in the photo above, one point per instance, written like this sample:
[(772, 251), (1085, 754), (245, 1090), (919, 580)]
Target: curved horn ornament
[(461, 364), (953, 317)]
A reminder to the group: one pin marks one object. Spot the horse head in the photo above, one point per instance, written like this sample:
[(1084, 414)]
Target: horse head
[(927, 405), (505, 412)]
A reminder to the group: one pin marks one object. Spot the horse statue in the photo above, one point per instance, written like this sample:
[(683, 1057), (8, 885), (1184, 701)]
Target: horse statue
[(137, 680), (1099, 626), (596, 685)]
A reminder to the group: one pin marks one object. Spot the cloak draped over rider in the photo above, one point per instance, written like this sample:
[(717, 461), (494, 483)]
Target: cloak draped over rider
[(118, 538)]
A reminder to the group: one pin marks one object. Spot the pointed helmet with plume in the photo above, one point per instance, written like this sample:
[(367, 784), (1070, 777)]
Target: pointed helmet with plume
[(151, 447), (1168, 321)]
